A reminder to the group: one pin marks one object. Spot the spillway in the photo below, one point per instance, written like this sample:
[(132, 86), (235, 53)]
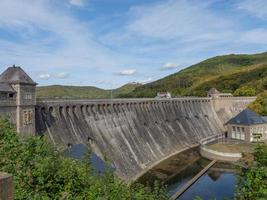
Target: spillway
[(134, 134)]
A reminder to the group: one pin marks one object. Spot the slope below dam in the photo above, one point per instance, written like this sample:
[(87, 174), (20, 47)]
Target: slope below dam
[(135, 134)]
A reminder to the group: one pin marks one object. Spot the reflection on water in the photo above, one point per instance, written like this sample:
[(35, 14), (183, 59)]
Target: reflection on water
[(207, 187), (176, 182), (217, 183), (79, 151)]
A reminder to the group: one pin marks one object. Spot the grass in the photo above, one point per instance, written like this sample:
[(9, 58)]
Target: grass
[(233, 147), (246, 149)]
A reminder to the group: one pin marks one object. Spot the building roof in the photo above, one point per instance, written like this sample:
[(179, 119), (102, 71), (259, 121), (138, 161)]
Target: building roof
[(5, 87), (213, 91), (247, 117), (14, 75)]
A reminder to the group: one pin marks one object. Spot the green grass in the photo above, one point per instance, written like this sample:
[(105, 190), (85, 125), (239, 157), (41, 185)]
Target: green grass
[(233, 147)]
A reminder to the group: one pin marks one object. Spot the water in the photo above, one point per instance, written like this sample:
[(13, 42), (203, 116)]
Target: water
[(79, 151), (217, 183), (207, 188)]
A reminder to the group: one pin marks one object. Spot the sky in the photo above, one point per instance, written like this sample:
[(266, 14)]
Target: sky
[(108, 43)]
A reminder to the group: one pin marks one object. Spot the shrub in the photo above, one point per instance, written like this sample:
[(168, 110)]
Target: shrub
[(245, 91), (252, 182), (42, 172)]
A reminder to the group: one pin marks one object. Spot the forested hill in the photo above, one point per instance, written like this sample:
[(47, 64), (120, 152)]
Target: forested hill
[(242, 75), (82, 92), (230, 73)]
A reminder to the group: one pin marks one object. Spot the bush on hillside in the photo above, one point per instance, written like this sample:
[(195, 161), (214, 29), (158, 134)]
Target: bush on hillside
[(245, 91), (260, 104), (42, 172), (252, 182)]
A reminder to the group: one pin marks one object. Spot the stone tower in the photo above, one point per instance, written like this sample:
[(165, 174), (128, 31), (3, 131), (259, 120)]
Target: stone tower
[(25, 98)]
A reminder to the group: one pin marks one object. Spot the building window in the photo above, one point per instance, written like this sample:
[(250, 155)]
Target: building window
[(243, 129), (28, 96), (3, 95), (11, 95), (234, 129), (27, 117)]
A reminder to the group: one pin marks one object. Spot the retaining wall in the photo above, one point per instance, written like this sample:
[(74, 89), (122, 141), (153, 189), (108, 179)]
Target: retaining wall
[(220, 156)]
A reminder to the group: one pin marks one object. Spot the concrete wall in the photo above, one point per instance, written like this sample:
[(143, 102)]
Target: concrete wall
[(220, 156), (248, 131), (260, 128), (25, 101), (6, 187), (9, 111), (132, 133), (227, 107)]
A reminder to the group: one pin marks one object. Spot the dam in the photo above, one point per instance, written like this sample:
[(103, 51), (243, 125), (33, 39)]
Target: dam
[(132, 134), (135, 134)]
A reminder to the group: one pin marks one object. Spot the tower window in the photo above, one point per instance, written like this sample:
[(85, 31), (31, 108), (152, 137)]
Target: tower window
[(28, 96), (3, 95), (27, 117)]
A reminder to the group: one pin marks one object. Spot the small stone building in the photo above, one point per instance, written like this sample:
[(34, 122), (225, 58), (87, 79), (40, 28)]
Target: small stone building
[(163, 95), (248, 126), (18, 99), (214, 93)]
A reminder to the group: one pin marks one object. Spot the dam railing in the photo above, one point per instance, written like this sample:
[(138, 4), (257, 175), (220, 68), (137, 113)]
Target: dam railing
[(213, 138), (60, 100)]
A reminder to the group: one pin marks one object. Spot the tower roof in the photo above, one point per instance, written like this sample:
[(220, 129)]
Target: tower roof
[(247, 117), (213, 91), (14, 75)]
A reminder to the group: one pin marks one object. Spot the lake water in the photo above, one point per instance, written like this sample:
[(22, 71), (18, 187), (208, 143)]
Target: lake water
[(217, 183), (78, 151)]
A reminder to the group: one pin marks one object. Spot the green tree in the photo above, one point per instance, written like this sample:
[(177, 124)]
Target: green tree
[(252, 182), (41, 172), (245, 91), (260, 104)]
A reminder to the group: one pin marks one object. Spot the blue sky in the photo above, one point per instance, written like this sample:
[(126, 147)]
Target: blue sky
[(108, 43)]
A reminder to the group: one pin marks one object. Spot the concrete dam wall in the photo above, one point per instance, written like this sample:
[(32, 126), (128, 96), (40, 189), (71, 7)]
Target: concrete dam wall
[(134, 134)]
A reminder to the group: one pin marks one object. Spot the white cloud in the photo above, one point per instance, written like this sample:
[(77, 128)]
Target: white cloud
[(179, 19), (45, 76), (257, 8), (77, 2), (62, 75), (50, 37), (169, 66), (126, 72)]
